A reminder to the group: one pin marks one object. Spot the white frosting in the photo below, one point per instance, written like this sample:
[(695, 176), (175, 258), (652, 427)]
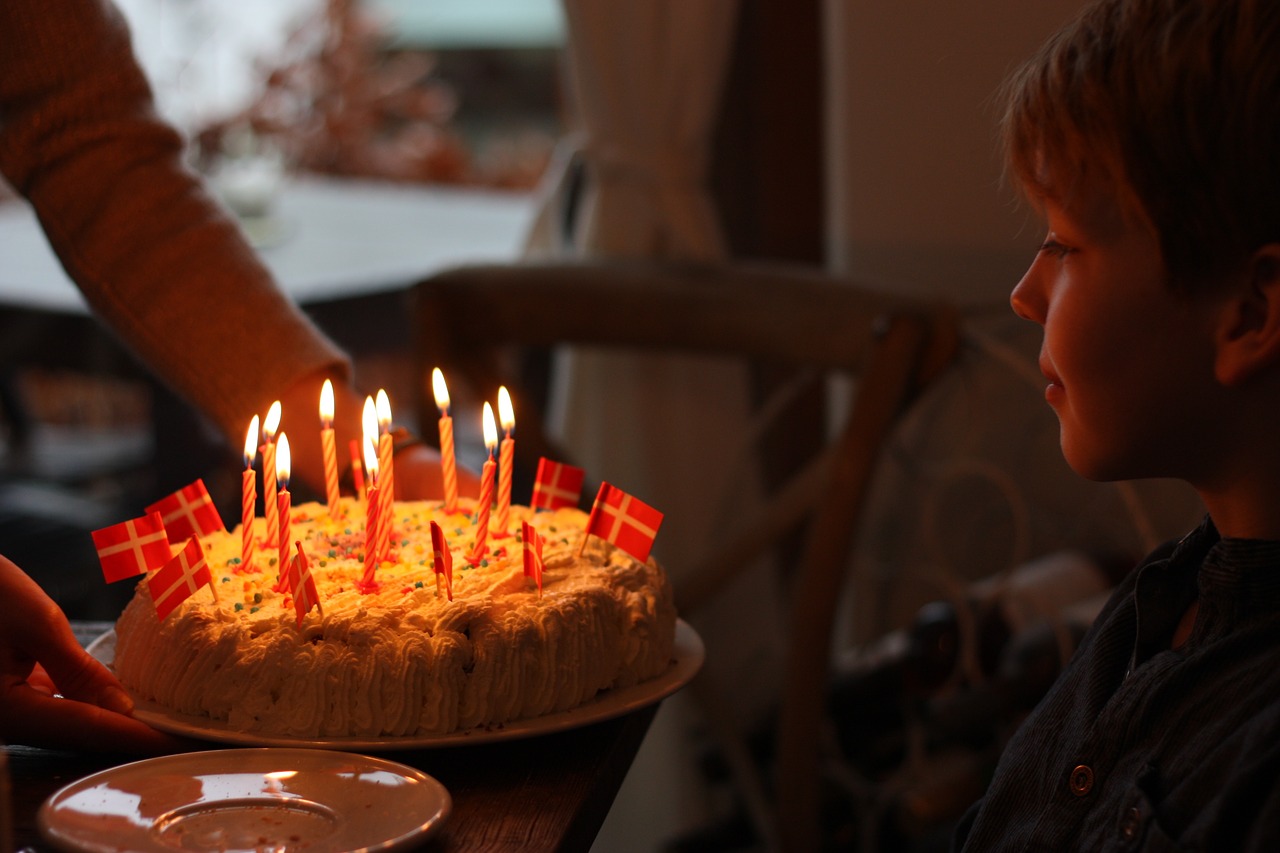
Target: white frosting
[(402, 660)]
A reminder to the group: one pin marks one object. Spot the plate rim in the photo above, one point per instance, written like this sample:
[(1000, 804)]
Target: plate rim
[(688, 653), (51, 832)]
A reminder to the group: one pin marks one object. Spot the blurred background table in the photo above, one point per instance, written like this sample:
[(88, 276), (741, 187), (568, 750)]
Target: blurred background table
[(326, 239)]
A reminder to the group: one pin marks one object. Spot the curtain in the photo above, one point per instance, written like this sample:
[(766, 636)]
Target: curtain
[(645, 78), (645, 81)]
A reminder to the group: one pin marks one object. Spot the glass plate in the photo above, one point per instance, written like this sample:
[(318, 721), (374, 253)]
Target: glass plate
[(316, 800), (688, 655)]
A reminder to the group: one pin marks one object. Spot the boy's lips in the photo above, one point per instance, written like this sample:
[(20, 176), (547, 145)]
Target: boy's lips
[(1054, 388)]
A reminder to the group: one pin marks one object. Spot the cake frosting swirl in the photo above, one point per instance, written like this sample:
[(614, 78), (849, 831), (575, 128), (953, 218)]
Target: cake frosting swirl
[(402, 659)]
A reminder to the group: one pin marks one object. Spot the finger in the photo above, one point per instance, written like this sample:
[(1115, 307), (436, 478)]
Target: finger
[(78, 675), (36, 630), (31, 718), (40, 680)]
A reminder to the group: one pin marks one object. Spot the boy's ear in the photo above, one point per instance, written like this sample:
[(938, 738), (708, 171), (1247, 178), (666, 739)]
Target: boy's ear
[(1248, 335)]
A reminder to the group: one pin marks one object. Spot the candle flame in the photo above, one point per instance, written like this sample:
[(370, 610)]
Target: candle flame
[(506, 413), (326, 404), (251, 442), (489, 427), (440, 390), (383, 405), (271, 422), (282, 462), (280, 775), (369, 420), (370, 458)]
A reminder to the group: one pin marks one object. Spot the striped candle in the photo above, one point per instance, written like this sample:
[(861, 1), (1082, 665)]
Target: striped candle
[(327, 444), (248, 496), (284, 502), (269, 426), (506, 458), (386, 474), (486, 487), (448, 464)]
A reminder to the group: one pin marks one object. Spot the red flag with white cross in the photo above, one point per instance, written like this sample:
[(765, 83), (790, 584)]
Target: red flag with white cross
[(179, 578), (188, 512), (442, 559), (624, 521), (556, 485), (533, 562), (132, 547), (303, 585)]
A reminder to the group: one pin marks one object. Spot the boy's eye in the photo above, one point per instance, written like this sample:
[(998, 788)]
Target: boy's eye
[(1054, 248)]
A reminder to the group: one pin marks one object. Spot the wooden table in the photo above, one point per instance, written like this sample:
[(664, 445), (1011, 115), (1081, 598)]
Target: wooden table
[(545, 793)]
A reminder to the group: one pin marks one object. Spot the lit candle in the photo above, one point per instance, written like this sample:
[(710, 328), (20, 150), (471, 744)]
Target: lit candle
[(248, 496), (386, 473), (269, 426), (448, 464), (378, 472), (327, 444), (486, 486), (284, 503), (372, 518), (505, 459)]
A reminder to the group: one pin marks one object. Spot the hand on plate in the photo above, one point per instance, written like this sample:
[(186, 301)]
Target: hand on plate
[(52, 692)]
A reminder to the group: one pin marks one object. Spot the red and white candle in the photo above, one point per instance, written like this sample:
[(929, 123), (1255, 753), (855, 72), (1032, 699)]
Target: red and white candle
[(372, 510), (284, 504), (448, 462), (386, 473), (328, 447), (486, 486), (270, 424), (248, 496), (506, 458)]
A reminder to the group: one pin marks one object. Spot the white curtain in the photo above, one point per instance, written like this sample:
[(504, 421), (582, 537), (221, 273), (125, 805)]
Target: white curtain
[(645, 83), (646, 77)]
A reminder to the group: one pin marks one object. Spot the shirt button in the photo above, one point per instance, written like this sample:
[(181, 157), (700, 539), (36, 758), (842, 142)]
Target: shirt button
[(1130, 824), (1082, 780)]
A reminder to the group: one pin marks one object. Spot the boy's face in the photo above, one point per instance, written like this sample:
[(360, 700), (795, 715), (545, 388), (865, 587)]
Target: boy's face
[(1129, 361)]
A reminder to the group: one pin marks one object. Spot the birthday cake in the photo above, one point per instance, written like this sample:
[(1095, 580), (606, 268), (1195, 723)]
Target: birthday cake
[(405, 651)]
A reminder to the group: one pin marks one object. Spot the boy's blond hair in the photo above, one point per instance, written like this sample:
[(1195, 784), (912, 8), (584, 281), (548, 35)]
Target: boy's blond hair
[(1176, 104)]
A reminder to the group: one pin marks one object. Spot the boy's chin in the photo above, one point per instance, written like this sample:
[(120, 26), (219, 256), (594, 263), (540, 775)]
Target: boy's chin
[(1098, 467)]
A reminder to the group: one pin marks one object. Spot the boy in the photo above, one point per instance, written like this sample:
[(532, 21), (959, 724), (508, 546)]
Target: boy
[(1148, 133)]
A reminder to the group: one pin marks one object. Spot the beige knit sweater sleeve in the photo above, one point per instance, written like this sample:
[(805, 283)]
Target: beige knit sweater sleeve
[(154, 255)]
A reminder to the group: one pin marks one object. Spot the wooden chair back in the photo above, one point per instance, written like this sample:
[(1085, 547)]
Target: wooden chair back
[(470, 321)]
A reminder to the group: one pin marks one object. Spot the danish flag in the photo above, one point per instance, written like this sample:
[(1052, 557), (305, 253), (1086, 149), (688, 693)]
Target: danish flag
[(188, 512), (533, 562), (181, 576), (556, 485), (132, 547), (624, 521), (303, 585), (443, 559)]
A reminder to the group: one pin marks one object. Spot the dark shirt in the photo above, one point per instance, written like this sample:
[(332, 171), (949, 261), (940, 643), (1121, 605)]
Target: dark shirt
[(1141, 747)]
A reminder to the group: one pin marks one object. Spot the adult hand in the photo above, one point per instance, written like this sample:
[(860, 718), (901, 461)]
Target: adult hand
[(41, 661)]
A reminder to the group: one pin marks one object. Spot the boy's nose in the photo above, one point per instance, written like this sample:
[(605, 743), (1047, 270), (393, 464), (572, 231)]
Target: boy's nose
[(1027, 298)]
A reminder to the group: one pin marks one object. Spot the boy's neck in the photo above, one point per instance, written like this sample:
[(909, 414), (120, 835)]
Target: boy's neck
[(1246, 514)]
